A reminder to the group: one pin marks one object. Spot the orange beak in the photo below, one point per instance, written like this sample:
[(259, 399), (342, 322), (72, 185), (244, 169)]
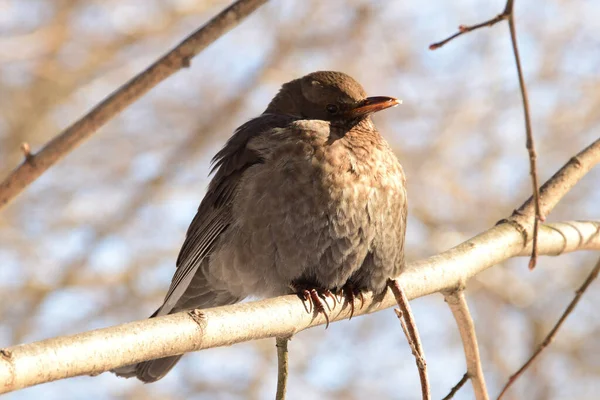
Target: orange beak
[(372, 105)]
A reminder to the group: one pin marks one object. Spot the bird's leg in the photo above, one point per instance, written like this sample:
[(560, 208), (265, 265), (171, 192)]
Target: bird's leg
[(350, 292), (315, 296)]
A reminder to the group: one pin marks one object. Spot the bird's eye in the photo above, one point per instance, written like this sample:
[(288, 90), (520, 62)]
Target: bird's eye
[(332, 108)]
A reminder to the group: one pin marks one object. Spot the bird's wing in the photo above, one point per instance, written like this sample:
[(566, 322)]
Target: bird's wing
[(214, 213)]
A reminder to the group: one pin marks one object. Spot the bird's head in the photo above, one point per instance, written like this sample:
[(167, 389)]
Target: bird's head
[(329, 96)]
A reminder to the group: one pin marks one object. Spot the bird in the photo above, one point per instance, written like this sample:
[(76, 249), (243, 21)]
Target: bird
[(306, 198)]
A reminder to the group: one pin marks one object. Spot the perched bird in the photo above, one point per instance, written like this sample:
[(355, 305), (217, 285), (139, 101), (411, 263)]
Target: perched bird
[(306, 198)]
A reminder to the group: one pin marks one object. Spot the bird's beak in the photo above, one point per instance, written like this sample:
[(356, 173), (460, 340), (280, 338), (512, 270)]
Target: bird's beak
[(371, 105)]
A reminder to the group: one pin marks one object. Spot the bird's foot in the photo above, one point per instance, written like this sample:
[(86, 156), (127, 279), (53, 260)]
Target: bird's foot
[(350, 293), (316, 298)]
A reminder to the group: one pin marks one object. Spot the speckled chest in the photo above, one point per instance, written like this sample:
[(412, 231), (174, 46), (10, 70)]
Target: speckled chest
[(355, 169), (314, 176)]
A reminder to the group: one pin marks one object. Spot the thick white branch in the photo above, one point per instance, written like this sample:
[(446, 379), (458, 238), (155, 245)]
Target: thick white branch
[(94, 352)]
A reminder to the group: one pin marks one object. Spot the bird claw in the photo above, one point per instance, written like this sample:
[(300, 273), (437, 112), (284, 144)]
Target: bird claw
[(326, 294), (315, 297), (350, 292)]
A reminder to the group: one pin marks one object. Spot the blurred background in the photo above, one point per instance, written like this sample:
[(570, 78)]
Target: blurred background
[(93, 242)]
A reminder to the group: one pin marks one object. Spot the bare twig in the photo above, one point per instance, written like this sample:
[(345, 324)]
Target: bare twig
[(460, 310), (282, 366), (166, 66), (411, 343), (409, 326), (457, 387), (508, 14), (529, 143), (550, 338), (462, 29)]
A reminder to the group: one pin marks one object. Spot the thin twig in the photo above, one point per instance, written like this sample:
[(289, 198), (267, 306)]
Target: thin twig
[(173, 61), (409, 327), (420, 362), (508, 14), (550, 338), (460, 310), (457, 387), (462, 29), (282, 366), (528, 131)]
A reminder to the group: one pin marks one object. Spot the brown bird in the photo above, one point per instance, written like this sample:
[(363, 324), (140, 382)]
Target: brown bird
[(306, 198)]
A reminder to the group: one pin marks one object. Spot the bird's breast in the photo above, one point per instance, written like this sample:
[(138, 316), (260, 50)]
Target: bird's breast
[(314, 204)]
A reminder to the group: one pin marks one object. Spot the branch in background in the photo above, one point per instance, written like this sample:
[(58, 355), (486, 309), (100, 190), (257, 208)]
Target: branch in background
[(409, 326), (105, 349), (166, 66), (457, 387), (550, 338), (460, 310), (282, 366), (508, 14)]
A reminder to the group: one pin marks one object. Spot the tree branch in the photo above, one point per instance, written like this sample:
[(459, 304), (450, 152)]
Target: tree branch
[(173, 61), (558, 185), (460, 310), (100, 350), (94, 352), (462, 29)]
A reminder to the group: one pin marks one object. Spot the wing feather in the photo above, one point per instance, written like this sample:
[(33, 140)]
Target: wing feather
[(214, 214)]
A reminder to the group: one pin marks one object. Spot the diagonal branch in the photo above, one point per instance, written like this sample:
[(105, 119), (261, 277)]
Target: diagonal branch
[(557, 186), (173, 61), (462, 29)]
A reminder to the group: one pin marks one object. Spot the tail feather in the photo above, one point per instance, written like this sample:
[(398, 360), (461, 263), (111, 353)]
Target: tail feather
[(149, 371), (153, 370)]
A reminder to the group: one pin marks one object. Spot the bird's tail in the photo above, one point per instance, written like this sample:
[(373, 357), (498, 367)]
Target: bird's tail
[(149, 371), (153, 370)]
